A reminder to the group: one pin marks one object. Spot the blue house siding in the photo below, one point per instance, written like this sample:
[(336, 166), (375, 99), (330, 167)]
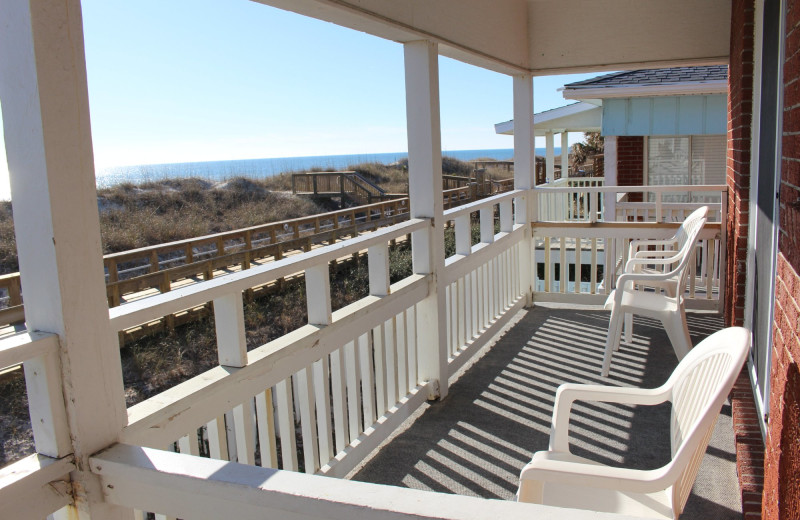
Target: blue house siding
[(665, 115)]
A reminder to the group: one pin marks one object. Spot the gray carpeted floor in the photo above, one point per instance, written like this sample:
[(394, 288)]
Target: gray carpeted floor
[(498, 413)]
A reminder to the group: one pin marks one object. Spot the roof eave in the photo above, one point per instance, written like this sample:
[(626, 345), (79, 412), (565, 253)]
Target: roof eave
[(672, 89)]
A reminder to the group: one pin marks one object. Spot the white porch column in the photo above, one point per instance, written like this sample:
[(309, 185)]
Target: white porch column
[(525, 177), (425, 192), (610, 169), (550, 157), (49, 147), (564, 154)]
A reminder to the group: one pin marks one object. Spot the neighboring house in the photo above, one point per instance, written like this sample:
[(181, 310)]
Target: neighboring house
[(661, 126), (664, 126)]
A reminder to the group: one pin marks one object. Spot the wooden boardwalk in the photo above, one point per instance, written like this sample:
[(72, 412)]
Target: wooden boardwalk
[(141, 273)]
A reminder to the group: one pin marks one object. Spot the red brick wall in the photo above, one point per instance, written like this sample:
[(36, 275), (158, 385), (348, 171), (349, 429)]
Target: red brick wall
[(782, 458), (740, 112), (630, 163)]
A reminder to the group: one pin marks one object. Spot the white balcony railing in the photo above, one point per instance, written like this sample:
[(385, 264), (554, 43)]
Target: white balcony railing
[(574, 252), (340, 385)]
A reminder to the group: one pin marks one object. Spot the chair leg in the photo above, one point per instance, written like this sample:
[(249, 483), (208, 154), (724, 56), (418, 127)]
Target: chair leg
[(613, 339), (678, 333), (628, 329)]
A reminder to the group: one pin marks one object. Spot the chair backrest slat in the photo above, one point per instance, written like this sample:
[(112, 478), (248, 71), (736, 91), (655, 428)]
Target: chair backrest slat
[(700, 385)]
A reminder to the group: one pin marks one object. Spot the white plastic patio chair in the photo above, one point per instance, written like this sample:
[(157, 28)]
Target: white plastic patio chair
[(666, 303), (697, 389)]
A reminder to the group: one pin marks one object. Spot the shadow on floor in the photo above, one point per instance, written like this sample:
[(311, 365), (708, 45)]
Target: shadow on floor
[(497, 414)]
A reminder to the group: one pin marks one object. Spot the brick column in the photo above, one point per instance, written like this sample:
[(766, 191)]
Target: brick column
[(740, 117), (630, 163), (782, 457)]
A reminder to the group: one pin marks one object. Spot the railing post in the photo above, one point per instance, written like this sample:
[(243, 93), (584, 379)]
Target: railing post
[(425, 193), (525, 179), (610, 172), (550, 156), (49, 148)]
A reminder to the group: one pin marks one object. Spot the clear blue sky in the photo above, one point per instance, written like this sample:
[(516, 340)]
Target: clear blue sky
[(196, 80)]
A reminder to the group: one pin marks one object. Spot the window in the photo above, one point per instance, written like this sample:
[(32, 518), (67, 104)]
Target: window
[(690, 160)]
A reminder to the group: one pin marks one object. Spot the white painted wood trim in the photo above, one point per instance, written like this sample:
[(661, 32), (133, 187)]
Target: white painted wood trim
[(35, 487), (458, 266), (348, 459), (18, 348), (147, 309), (454, 213), (169, 415), (207, 489), (229, 325), (472, 346)]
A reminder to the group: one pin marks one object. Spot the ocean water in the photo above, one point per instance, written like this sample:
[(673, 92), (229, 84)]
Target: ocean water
[(259, 168)]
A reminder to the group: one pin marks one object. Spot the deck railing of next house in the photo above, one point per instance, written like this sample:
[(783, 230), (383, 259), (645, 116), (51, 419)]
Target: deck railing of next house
[(571, 205), (574, 254)]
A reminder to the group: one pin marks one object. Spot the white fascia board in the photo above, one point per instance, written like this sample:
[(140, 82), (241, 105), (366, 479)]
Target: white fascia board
[(672, 89), (550, 116)]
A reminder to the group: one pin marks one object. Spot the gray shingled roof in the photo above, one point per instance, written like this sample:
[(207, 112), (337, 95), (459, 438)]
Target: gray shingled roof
[(655, 77)]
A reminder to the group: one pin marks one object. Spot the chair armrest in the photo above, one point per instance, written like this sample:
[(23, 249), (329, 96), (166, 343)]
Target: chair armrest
[(568, 393), (550, 467), (654, 254), (632, 263), (636, 244)]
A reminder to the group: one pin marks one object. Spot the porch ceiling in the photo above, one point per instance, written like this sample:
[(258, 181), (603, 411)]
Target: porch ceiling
[(543, 36)]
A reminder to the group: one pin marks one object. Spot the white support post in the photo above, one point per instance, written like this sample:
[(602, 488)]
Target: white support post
[(379, 269), (49, 147), (550, 157), (487, 225), (318, 294), (463, 235), (565, 154), (524, 179), (229, 324), (610, 172), (425, 191)]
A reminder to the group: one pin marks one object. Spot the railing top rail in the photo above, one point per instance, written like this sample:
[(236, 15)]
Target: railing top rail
[(631, 189), (142, 477), (146, 309), (22, 347), (312, 174), (480, 204)]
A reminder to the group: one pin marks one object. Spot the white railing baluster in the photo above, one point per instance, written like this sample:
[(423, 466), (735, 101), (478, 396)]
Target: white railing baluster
[(217, 438), (564, 277), (367, 379), (411, 321), (245, 442), (339, 396), (353, 390), (308, 426), (379, 346), (391, 363), (462, 319), (402, 355), (448, 299), (283, 391), (265, 419), (593, 282), (577, 288)]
